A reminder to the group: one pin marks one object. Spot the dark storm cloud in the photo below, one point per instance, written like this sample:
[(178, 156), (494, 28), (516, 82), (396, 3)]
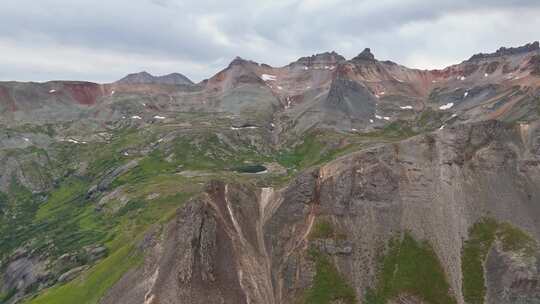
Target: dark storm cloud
[(51, 39)]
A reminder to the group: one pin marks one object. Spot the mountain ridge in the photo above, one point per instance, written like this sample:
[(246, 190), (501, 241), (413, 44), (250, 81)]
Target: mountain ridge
[(144, 77), (323, 181), (147, 78)]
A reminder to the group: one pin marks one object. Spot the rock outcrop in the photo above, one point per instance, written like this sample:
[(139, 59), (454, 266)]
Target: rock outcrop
[(365, 55), (503, 51)]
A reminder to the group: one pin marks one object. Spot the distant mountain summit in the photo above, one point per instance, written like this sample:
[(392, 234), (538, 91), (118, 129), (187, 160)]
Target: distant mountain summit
[(504, 51), (322, 58), (147, 78), (365, 55)]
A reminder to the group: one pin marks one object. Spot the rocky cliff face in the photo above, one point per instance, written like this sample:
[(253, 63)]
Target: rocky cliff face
[(239, 244)]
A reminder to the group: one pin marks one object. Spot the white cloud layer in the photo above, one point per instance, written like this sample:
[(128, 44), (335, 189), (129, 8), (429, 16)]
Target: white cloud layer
[(103, 41)]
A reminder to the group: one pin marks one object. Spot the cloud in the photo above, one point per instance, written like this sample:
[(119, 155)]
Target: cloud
[(102, 41), (64, 62)]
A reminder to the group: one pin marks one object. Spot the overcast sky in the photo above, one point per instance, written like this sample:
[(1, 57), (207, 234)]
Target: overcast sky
[(104, 40)]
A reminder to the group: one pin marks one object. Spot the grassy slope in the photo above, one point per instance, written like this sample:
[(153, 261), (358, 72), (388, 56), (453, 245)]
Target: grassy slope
[(68, 215), (482, 235), (475, 250), (320, 147), (15, 228), (67, 220), (328, 284), (90, 287), (124, 229), (410, 267)]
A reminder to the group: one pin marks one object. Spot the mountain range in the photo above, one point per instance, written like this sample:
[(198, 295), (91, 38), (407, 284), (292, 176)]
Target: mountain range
[(328, 180)]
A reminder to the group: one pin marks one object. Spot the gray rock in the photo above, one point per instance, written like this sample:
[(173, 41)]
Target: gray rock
[(22, 272), (113, 174), (71, 274), (95, 252)]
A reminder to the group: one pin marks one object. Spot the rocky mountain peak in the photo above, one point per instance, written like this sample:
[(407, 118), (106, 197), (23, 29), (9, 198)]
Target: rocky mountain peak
[(140, 77), (237, 60), (321, 58), (147, 78), (365, 55), (241, 61), (504, 51), (174, 78)]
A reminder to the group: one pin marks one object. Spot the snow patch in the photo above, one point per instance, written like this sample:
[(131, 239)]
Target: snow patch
[(371, 120), (136, 117), (159, 117), (112, 93), (280, 87), (240, 128), (73, 141), (288, 105), (406, 108), (378, 117), (267, 77), (52, 91), (306, 68), (26, 139), (149, 298), (442, 127), (462, 78), (386, 118), (466, 94), (446, 106), (354, 130), (486, 75)]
